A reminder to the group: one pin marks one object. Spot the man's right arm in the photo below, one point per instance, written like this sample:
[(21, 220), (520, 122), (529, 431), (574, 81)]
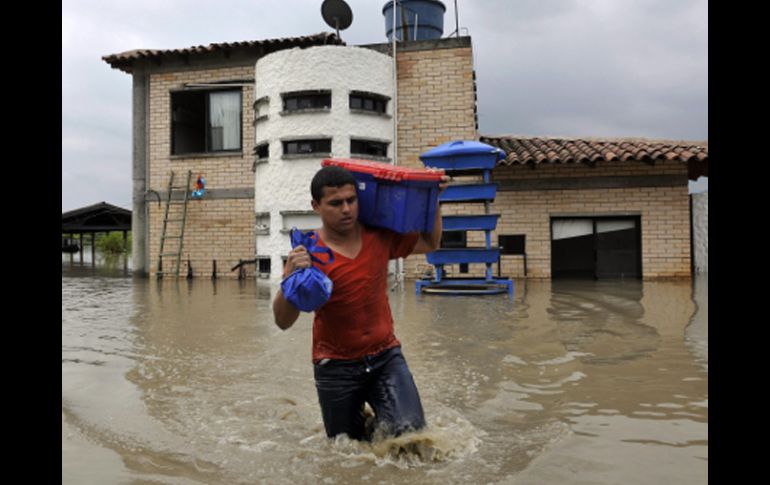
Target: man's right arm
[(284, 312)]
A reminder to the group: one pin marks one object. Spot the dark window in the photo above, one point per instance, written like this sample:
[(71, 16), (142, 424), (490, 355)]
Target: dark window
[(307, 100), (453, 239), (513, 244), (369, 102), (366, 147), (596, 247), (205, 121), (298, 147), (263, 265), (262, 150)]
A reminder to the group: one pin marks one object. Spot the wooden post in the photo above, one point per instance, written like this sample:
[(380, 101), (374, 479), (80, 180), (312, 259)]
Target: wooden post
[(93, 249), (81, 247), (125, 252)]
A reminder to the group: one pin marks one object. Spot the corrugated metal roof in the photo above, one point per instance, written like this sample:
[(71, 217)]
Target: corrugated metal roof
[(537, 150), (125, 60)]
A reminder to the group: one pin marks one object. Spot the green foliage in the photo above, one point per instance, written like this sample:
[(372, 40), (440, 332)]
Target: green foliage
[(112, 242)]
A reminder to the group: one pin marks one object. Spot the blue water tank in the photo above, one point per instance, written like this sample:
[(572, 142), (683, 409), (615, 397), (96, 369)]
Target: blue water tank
[(424, 19)]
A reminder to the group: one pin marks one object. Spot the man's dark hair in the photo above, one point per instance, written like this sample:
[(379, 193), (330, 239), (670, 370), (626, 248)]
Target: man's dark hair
[(330, 176)]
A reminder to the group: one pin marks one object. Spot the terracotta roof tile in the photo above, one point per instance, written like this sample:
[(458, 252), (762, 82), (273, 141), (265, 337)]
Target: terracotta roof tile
[(537, 150), (124, 60)]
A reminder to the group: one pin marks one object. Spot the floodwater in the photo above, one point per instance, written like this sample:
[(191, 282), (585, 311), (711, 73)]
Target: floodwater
[(178, 382)]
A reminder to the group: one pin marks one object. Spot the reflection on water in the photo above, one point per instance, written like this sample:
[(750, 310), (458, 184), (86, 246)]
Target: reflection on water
[(190, 382), (95, 264)]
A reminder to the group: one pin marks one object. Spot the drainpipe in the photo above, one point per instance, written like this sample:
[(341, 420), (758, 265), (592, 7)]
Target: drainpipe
[(399, 283), (139, 213)]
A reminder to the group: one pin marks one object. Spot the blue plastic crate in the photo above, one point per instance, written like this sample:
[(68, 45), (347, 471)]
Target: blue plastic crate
[(481, 222), (403, 207), (397, 198), (464, 255), (469, 193), (464, 156)]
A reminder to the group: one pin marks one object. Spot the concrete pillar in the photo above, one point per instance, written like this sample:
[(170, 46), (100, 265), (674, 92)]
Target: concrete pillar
[(139, 215)]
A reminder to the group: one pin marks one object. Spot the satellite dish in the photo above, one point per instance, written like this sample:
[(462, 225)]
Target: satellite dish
[(337, 14)]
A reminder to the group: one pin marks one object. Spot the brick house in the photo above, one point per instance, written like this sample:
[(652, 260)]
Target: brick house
[(630, 195), (595, 208), (436, 85), (173, 91)]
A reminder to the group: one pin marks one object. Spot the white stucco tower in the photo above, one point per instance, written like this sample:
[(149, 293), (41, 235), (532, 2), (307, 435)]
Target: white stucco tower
[(311, 104)]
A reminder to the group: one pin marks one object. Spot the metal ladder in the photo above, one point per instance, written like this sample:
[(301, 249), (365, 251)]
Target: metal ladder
[(175, 218)]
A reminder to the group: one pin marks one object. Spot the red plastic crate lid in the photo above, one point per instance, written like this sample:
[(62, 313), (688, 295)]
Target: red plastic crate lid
[(385, 171)]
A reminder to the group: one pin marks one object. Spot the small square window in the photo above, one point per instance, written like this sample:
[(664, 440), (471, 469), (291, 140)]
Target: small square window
[(512, 244), (262, 151)]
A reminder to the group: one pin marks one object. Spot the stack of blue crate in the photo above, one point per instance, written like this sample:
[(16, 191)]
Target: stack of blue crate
[(466, 158)]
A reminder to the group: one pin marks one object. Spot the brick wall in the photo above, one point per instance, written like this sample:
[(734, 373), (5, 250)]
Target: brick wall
[(435, 100), (221, 229), (435, 105), (664, 215)]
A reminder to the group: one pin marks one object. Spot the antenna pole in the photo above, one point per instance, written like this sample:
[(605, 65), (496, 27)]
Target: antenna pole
[(457, 21)]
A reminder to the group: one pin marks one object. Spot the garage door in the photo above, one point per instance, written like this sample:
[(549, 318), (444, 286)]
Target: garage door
[(596, 247)]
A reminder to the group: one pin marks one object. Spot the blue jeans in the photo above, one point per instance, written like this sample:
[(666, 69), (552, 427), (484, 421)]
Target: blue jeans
[(383, 380)]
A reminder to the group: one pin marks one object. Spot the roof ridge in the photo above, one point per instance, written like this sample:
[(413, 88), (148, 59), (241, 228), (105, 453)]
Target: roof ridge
[(601, 139), (124, 60)]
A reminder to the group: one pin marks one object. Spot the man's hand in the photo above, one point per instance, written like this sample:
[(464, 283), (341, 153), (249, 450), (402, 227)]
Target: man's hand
[(298, 258), (444, 179), (431, 241), (443, 184)]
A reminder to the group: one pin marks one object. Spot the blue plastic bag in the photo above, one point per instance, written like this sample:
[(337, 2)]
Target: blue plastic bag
[(308, 288)]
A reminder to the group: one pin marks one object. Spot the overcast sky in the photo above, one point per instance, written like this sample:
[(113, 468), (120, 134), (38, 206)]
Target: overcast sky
[(574, 68)]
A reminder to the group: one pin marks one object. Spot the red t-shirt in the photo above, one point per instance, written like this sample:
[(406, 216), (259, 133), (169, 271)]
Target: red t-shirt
[(356, 321)]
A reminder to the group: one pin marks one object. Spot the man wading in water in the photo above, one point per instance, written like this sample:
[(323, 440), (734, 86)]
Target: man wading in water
[(356, 356)]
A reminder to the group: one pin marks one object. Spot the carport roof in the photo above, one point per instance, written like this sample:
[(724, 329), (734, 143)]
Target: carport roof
[(101, 217)]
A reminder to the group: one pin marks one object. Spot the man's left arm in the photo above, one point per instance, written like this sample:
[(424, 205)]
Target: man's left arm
[(431, 241)]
